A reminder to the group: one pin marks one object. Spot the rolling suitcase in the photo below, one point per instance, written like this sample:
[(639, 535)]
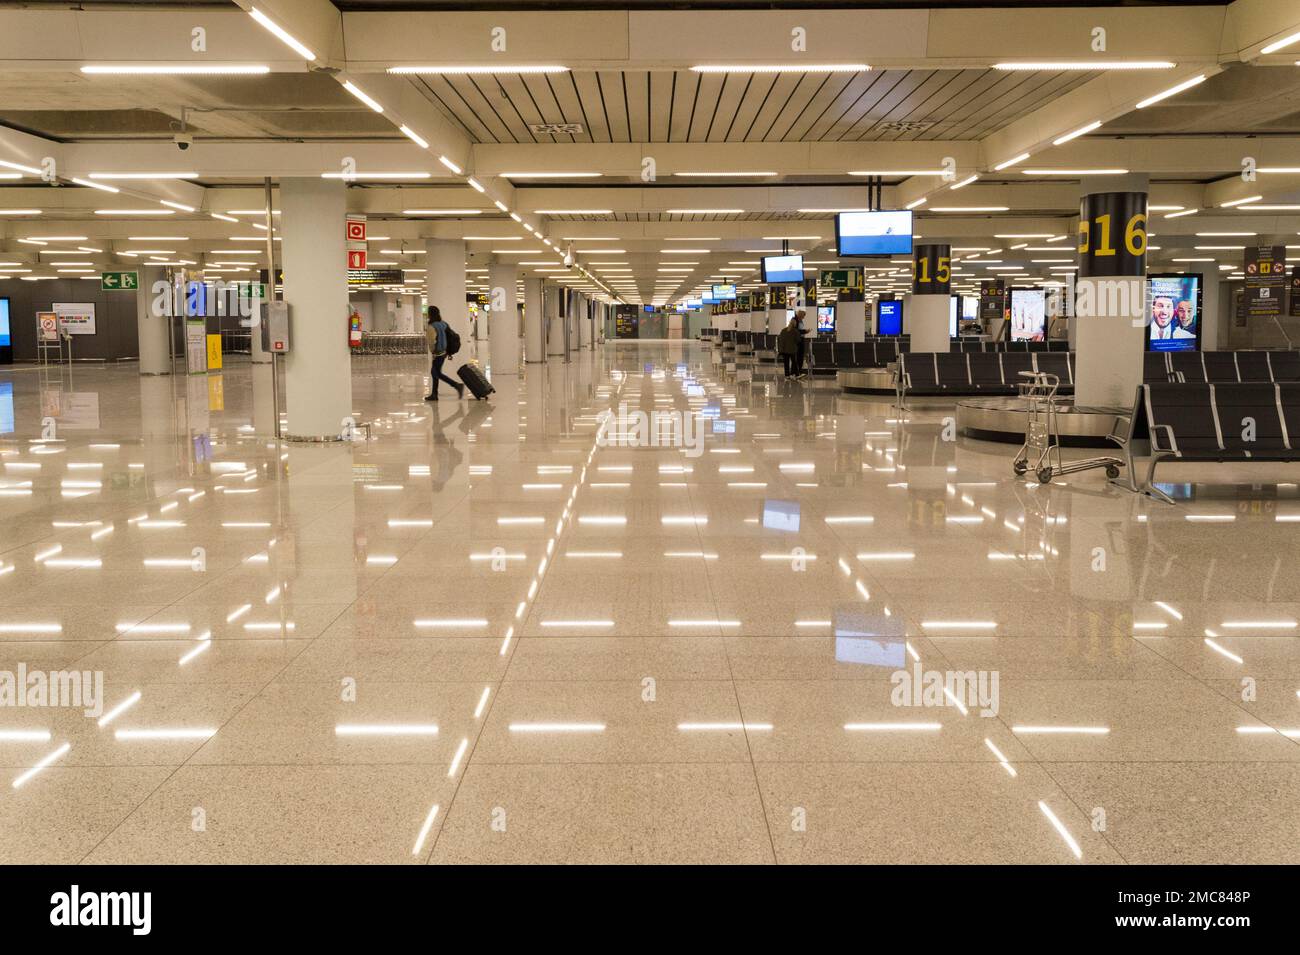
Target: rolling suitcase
[(475, 380)]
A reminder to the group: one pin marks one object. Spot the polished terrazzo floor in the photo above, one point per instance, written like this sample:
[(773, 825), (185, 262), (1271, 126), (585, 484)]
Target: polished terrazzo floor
[(486, 635)]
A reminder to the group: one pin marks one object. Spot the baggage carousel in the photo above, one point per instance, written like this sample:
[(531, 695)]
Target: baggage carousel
[(867, 381), (1004, 419)]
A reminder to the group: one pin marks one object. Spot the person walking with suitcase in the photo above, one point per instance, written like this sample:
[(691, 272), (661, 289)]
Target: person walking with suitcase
[(443, 343)]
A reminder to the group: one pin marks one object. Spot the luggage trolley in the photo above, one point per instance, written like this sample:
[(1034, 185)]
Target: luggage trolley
[(1042, 437)]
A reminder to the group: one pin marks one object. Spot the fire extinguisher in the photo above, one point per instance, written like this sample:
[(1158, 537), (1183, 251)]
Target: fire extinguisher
[(354, 329)]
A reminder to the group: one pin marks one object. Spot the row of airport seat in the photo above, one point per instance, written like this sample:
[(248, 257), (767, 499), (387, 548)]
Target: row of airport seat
[(1223, 367), (975, 345), (826, 358), (1208, 422), (978, 373)]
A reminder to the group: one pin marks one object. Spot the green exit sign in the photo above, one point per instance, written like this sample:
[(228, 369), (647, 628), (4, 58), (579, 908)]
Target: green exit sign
[(840, 278), (119, 281)]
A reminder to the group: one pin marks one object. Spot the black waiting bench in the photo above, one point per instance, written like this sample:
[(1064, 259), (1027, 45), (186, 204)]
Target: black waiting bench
[(1200, 421)]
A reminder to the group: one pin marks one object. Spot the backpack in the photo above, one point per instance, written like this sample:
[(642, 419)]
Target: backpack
[(453, 341)]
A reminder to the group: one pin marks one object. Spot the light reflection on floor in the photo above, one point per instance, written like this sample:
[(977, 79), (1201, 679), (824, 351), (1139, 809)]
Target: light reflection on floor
[(490, 634)]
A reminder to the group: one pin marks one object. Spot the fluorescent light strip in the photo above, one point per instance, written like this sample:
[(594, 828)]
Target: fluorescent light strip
[(183, 70), (782, 68), (284, 36), (1172, 91), (1087, 65), (474, 70)]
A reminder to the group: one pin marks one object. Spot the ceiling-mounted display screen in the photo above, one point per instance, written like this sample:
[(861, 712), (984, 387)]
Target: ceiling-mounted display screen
[(724, 293), (1173, 312), (873, 233), (782, 269)]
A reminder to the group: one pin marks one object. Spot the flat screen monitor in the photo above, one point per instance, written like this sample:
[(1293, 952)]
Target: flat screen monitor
[(1173, 312), (952, 316), (970, 308), (781, 515), (825, 319), (5, 333), (708, 300), (782, 269), (889, 317), (724, 293), (865, 234), (1028, 315)]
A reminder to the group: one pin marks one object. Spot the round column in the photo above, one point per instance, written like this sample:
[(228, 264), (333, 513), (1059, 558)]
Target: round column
[(318, 367), (153, 324), (1110, 293), (444, 283), (850, 316), (926, 316), (503, 319), (534, 324)]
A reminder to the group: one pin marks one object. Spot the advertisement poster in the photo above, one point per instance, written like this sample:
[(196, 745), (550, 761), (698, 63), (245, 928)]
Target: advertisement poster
[(1028, 315), (76, 318), (1173, 312), (1266, 282), (47, 325)]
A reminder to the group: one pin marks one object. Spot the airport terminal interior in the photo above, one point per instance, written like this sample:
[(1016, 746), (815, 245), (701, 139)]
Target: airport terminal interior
[(870, 433)]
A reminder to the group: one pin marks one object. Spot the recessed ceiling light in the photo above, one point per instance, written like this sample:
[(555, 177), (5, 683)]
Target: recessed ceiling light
[(1074, 172), (550, 175), (442, 212), (1010, 162)]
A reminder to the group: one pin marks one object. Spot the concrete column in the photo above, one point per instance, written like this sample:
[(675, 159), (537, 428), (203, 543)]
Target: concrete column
[(758, 317), (503, 324), (153, 330), (1110, 332), (444, 285), (318, 368), (850, 321), (580, 318), (534, 323), (551, 311), (926, 314), (775, 319), (571, 317)]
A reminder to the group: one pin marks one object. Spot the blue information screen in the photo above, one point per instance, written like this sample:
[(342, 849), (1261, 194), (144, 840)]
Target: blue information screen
[(4, 322)]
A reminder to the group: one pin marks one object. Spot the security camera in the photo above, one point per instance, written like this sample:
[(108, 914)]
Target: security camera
[(183, 141)]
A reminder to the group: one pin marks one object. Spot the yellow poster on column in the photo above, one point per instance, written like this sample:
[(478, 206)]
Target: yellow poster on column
[(214, 353)]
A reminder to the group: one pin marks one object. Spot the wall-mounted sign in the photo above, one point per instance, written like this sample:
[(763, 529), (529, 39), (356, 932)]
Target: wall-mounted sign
[(356, 259), (356, 230), (1295, 292), (931, 270), (1265, 269), (75, 318), (119, 281)]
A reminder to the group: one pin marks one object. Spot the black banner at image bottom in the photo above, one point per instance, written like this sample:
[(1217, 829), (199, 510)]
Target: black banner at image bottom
[(138, 905)]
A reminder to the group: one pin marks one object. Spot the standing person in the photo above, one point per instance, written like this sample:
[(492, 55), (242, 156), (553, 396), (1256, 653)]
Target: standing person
[(801, 333), (440, 336), (787, 346)]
